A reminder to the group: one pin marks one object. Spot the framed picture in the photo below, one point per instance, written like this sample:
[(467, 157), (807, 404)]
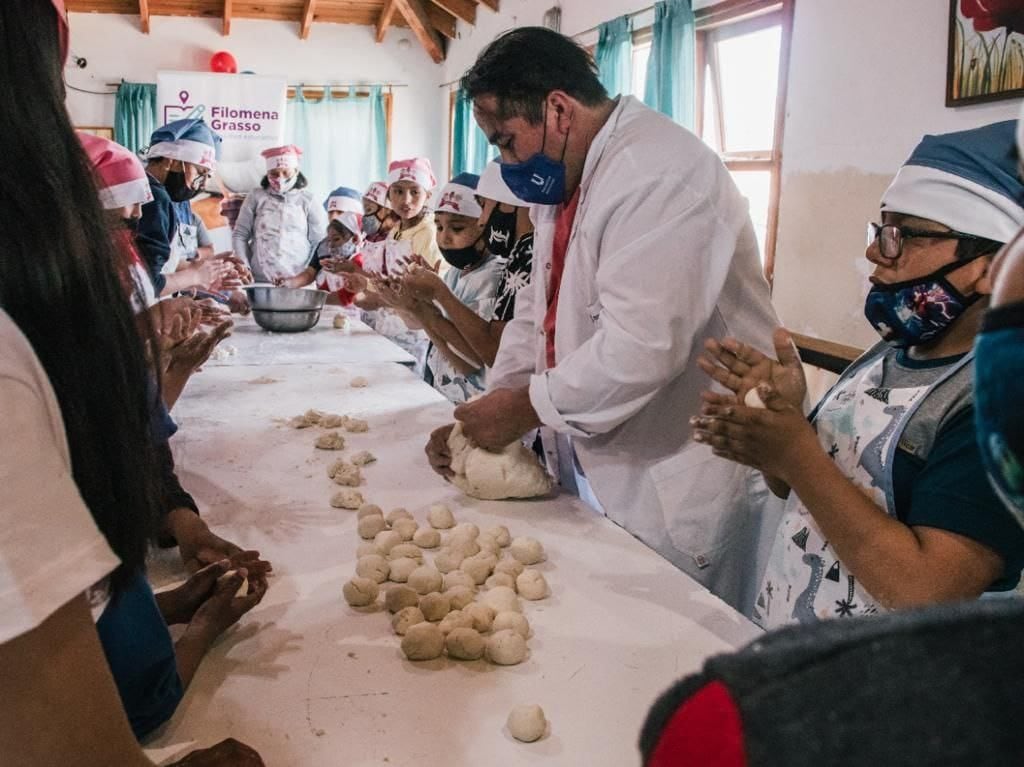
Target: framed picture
[(986, 51), (95, 130)]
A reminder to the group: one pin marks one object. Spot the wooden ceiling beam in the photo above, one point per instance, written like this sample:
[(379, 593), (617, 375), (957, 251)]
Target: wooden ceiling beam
[(144, 16), (492, 4), (227, 18), (307, 19), (441, 20), (419, 22), (387, 15), (465, 10)]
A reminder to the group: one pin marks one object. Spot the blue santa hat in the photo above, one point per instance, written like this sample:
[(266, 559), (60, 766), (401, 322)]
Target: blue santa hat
[(189, 140)]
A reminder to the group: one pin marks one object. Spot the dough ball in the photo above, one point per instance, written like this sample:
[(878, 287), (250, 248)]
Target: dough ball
[(479, 567), (347, 499), (340, 321), (348, 475), (513, 621), (363, 457), (374, 567), (506, 648), (527, 550), (501, 535), (369, 510), (460, 597), (427, 538), (527, 723), (408, 550), (333, 468), (435, 606), (330, 441), (386, 540), (488, 546), (440, 517), (753, 399), (457, 578), (307, 419), (501, 579), (511, 566), (425, 579), (514, 472), (464, 644), (402, 568), (456, 619), (399, 597), (370, 526), (482, 615), (423, 641), (405, 619), (332, 421), (466, 530), (406, 528), (502, 599), (532, 585), (360, 592), (396, 514), (447, 560), (356, 426), (359, 382), (467, 547), (364, 549)]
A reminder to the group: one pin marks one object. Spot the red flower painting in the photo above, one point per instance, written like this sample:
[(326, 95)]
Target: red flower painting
[(986, 53), (987, 15)]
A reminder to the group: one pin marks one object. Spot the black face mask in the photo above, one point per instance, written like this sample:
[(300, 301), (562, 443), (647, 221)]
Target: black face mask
[(176, 187), (463, 258), (131, 224), (500, 231)]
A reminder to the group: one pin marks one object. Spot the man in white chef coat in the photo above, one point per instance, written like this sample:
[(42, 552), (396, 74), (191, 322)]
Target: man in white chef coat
[(643, 248)]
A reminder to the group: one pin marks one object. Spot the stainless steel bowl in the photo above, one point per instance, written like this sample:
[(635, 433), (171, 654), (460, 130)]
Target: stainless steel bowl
[(275, 299), (286, 321)]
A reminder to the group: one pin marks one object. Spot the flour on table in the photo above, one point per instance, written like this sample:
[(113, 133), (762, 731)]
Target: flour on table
[(264, 380), (359, 382), (223, 352)]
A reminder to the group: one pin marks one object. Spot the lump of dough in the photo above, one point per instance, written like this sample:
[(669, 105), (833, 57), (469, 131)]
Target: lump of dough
[(363, 457), (459, 597), (506, 648), (347, 475), (479, 567), (368, 527), (374, 567), (399, 597), (410, 550), (335, 467), (332, 421), (532, 585), (753, 399), (405, 619), (500, 534), (340, 321), (459, 578), (396, 514), (425, 579), (330, 441), (360, 592), (386, 540), (369, 510), (512, 621), (511, 566), (359, 382), (435, 606), (527, 723), (348, 499), (467, 547), (502, 599), (365, 548), (488, 545), (482, 615), (424, 641), (515, 472), (401, 569), (464, 644), (456, 619), (406, 528), (527, 550), (501, 579), (427, 538), (356, 426), (466, 530), (307, 419), (447, 560), (440, 517)]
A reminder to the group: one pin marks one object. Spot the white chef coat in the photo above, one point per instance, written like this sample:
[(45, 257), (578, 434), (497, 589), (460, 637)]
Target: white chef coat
[(662, 255)]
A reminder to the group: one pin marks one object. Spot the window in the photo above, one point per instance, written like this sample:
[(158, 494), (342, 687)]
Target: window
[(641, 53)]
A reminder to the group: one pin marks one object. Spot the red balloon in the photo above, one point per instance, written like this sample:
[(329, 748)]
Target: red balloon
[(222, 61)]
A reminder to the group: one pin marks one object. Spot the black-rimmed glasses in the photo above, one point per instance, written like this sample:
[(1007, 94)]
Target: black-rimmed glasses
[(890, 237)]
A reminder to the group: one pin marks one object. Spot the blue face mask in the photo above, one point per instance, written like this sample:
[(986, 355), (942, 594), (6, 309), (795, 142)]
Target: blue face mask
[(998, 392), (540, 180), (916, 311), (371, 225)]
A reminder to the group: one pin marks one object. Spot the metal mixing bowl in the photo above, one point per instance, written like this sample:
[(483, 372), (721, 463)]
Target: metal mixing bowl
[(286, 321), (275, 299)]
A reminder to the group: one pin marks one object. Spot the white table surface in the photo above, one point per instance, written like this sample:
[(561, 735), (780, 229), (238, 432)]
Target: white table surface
[(319, 345), (307, 680)]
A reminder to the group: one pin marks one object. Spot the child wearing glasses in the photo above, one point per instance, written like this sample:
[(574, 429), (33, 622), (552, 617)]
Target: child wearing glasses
[(888, 504)]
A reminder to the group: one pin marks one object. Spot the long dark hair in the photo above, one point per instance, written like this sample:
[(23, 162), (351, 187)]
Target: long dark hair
[(59, 282)]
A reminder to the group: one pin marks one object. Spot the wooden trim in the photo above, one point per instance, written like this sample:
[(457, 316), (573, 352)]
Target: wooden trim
[(144, 16), (419, 21), (387, 15), (729, 11), (451, 132), (464, 10), (492, 4), (771, 239), (699, 95), (226, 29), (441, 20), (307, 19), (828, 355), (742, 165), (389, 110)]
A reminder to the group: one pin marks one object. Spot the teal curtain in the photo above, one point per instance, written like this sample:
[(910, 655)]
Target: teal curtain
[(135, 114), (471, 151), (671, 69), (614, 55), (343, 140)]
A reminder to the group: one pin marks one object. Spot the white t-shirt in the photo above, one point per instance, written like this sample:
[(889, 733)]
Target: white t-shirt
[(50, 547)]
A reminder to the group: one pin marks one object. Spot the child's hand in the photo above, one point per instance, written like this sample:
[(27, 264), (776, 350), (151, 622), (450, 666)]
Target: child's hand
[(423, 284), (238, 303), (192, 353), (174, 320), (740, 368), (222, 608)]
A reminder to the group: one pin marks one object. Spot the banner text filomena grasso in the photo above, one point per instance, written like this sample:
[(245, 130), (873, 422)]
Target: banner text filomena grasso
[(240, 120)]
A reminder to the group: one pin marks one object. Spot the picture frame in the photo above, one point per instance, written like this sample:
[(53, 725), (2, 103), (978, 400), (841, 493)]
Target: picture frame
[(97, 130), (986, 51)]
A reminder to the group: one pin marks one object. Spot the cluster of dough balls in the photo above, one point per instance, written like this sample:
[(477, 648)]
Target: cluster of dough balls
[(467, 602), (328, 421)]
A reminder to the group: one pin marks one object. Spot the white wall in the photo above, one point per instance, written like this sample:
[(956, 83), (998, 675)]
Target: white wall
[(116, 48)]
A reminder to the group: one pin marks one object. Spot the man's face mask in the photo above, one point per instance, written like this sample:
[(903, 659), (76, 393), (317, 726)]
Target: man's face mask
[(540, 180)]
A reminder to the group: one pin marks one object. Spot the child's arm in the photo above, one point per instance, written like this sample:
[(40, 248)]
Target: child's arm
[(300, 280), (243, 229), (447, 339)]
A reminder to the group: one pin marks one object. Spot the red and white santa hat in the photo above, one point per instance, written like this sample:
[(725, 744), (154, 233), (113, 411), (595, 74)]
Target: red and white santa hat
[(377, 193), (417, 170), (119, 173), (286, 156), (459, 197)]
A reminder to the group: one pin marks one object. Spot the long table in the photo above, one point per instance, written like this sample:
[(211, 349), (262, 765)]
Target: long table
[(307, 680)]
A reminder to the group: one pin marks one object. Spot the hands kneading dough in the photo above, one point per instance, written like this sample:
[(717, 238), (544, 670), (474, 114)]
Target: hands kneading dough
[(515, 472)]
